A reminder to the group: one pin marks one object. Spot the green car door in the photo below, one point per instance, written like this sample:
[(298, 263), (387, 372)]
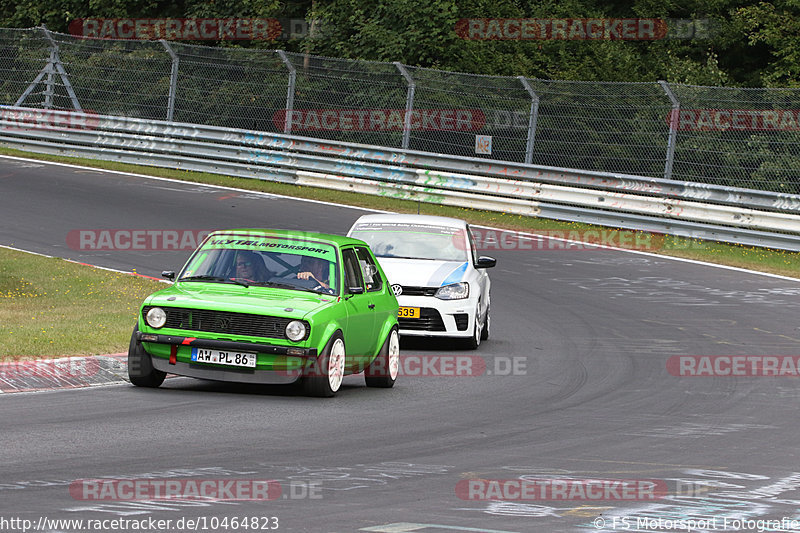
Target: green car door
[(360, 331)]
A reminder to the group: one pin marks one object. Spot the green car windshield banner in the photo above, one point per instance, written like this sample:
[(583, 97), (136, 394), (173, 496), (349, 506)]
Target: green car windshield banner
[(290, 246)]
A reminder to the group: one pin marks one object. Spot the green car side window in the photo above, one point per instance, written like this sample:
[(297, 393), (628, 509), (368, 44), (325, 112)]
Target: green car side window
[(369, 271), (352, 270)]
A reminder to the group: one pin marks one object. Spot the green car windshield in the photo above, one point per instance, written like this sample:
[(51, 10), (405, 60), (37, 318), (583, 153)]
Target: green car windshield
[(265, 261)]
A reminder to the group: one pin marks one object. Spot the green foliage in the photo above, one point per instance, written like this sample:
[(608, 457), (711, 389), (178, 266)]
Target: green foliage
[(775, 25), (414, 32), (737, 43)]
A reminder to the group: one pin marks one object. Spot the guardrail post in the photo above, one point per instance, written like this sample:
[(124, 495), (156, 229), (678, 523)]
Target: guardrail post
[(173, 80), (673, 128), (412, 87), (287, 123), (532, 118)]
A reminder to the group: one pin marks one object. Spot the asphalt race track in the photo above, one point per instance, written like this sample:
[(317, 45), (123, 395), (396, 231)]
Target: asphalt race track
[(592, 398)]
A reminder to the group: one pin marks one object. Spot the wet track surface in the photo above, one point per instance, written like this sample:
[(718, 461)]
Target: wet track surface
[(592, 396)]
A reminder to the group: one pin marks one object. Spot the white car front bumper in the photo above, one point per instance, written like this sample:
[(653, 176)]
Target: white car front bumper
[(439, 318)]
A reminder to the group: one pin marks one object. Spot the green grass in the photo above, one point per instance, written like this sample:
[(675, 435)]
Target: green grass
[(761, 259), (52, 307)]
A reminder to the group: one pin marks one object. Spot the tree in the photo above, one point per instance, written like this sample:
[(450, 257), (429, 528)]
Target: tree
[(777, 27)]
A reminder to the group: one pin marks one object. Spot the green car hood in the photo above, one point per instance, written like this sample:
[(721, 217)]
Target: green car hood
[(238, 299)]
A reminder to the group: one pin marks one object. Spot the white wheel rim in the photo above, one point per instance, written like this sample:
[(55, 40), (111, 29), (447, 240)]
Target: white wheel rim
[(394, 355), (336, 365)]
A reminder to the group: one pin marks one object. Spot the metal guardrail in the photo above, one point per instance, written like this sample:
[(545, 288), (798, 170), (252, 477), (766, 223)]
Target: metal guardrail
[(743, 216)]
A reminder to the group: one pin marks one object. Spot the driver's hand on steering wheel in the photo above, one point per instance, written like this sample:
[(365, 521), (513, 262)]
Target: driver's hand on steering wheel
[(310, 276)]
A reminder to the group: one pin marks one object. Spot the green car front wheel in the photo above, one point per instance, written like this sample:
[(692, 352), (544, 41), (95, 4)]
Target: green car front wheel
[(324, 377), (140, 366)]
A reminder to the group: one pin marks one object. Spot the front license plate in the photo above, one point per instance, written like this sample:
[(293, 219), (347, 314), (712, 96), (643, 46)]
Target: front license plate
[(408, 312), (219, 357)]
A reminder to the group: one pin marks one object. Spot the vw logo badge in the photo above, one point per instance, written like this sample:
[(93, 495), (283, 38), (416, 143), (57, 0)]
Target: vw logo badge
[(224, 323), (397, 289)]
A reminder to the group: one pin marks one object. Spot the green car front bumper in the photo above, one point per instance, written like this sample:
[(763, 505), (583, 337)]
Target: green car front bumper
[(275, 364)]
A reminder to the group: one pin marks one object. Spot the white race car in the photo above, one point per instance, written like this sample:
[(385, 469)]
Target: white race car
[(440, 282)]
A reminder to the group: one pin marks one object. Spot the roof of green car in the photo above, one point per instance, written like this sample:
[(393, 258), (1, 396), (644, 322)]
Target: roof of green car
[(339, 240)]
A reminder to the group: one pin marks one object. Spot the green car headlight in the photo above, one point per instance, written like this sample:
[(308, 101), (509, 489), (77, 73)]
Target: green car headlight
[(295, 330), (156, 317), (456, 291)]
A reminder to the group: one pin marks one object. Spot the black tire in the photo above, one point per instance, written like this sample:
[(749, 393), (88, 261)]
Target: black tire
[(380, 372), (318, 381), (474, 341), (486, 322), (140, 366)]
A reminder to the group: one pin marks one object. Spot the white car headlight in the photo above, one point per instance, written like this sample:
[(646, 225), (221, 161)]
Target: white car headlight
[(295, 330), (456, 291), (156, 318)]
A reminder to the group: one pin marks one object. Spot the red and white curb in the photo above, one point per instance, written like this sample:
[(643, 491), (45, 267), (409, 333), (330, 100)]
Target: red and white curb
[(63, 373)]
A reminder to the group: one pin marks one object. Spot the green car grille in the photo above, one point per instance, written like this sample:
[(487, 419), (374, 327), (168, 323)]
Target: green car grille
[(226, 322)]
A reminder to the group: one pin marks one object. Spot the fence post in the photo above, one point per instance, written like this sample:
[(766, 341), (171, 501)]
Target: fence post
[(46, 70), (56, 67), (52, 68), (49, 85), (173, 80), (673, 128), (412, 87), (533, 116), (287, 123)]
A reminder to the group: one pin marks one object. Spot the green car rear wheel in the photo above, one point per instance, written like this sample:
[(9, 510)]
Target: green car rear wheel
[(383, 371)]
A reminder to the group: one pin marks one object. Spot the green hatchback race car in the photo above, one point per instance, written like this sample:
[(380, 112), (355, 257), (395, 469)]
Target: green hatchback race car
[(271, 307)]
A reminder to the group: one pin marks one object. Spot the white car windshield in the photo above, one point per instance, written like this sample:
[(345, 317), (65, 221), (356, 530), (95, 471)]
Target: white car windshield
[(413, 241)]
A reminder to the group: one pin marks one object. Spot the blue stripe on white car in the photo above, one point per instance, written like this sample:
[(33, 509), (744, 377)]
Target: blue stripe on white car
[(448, 273)]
